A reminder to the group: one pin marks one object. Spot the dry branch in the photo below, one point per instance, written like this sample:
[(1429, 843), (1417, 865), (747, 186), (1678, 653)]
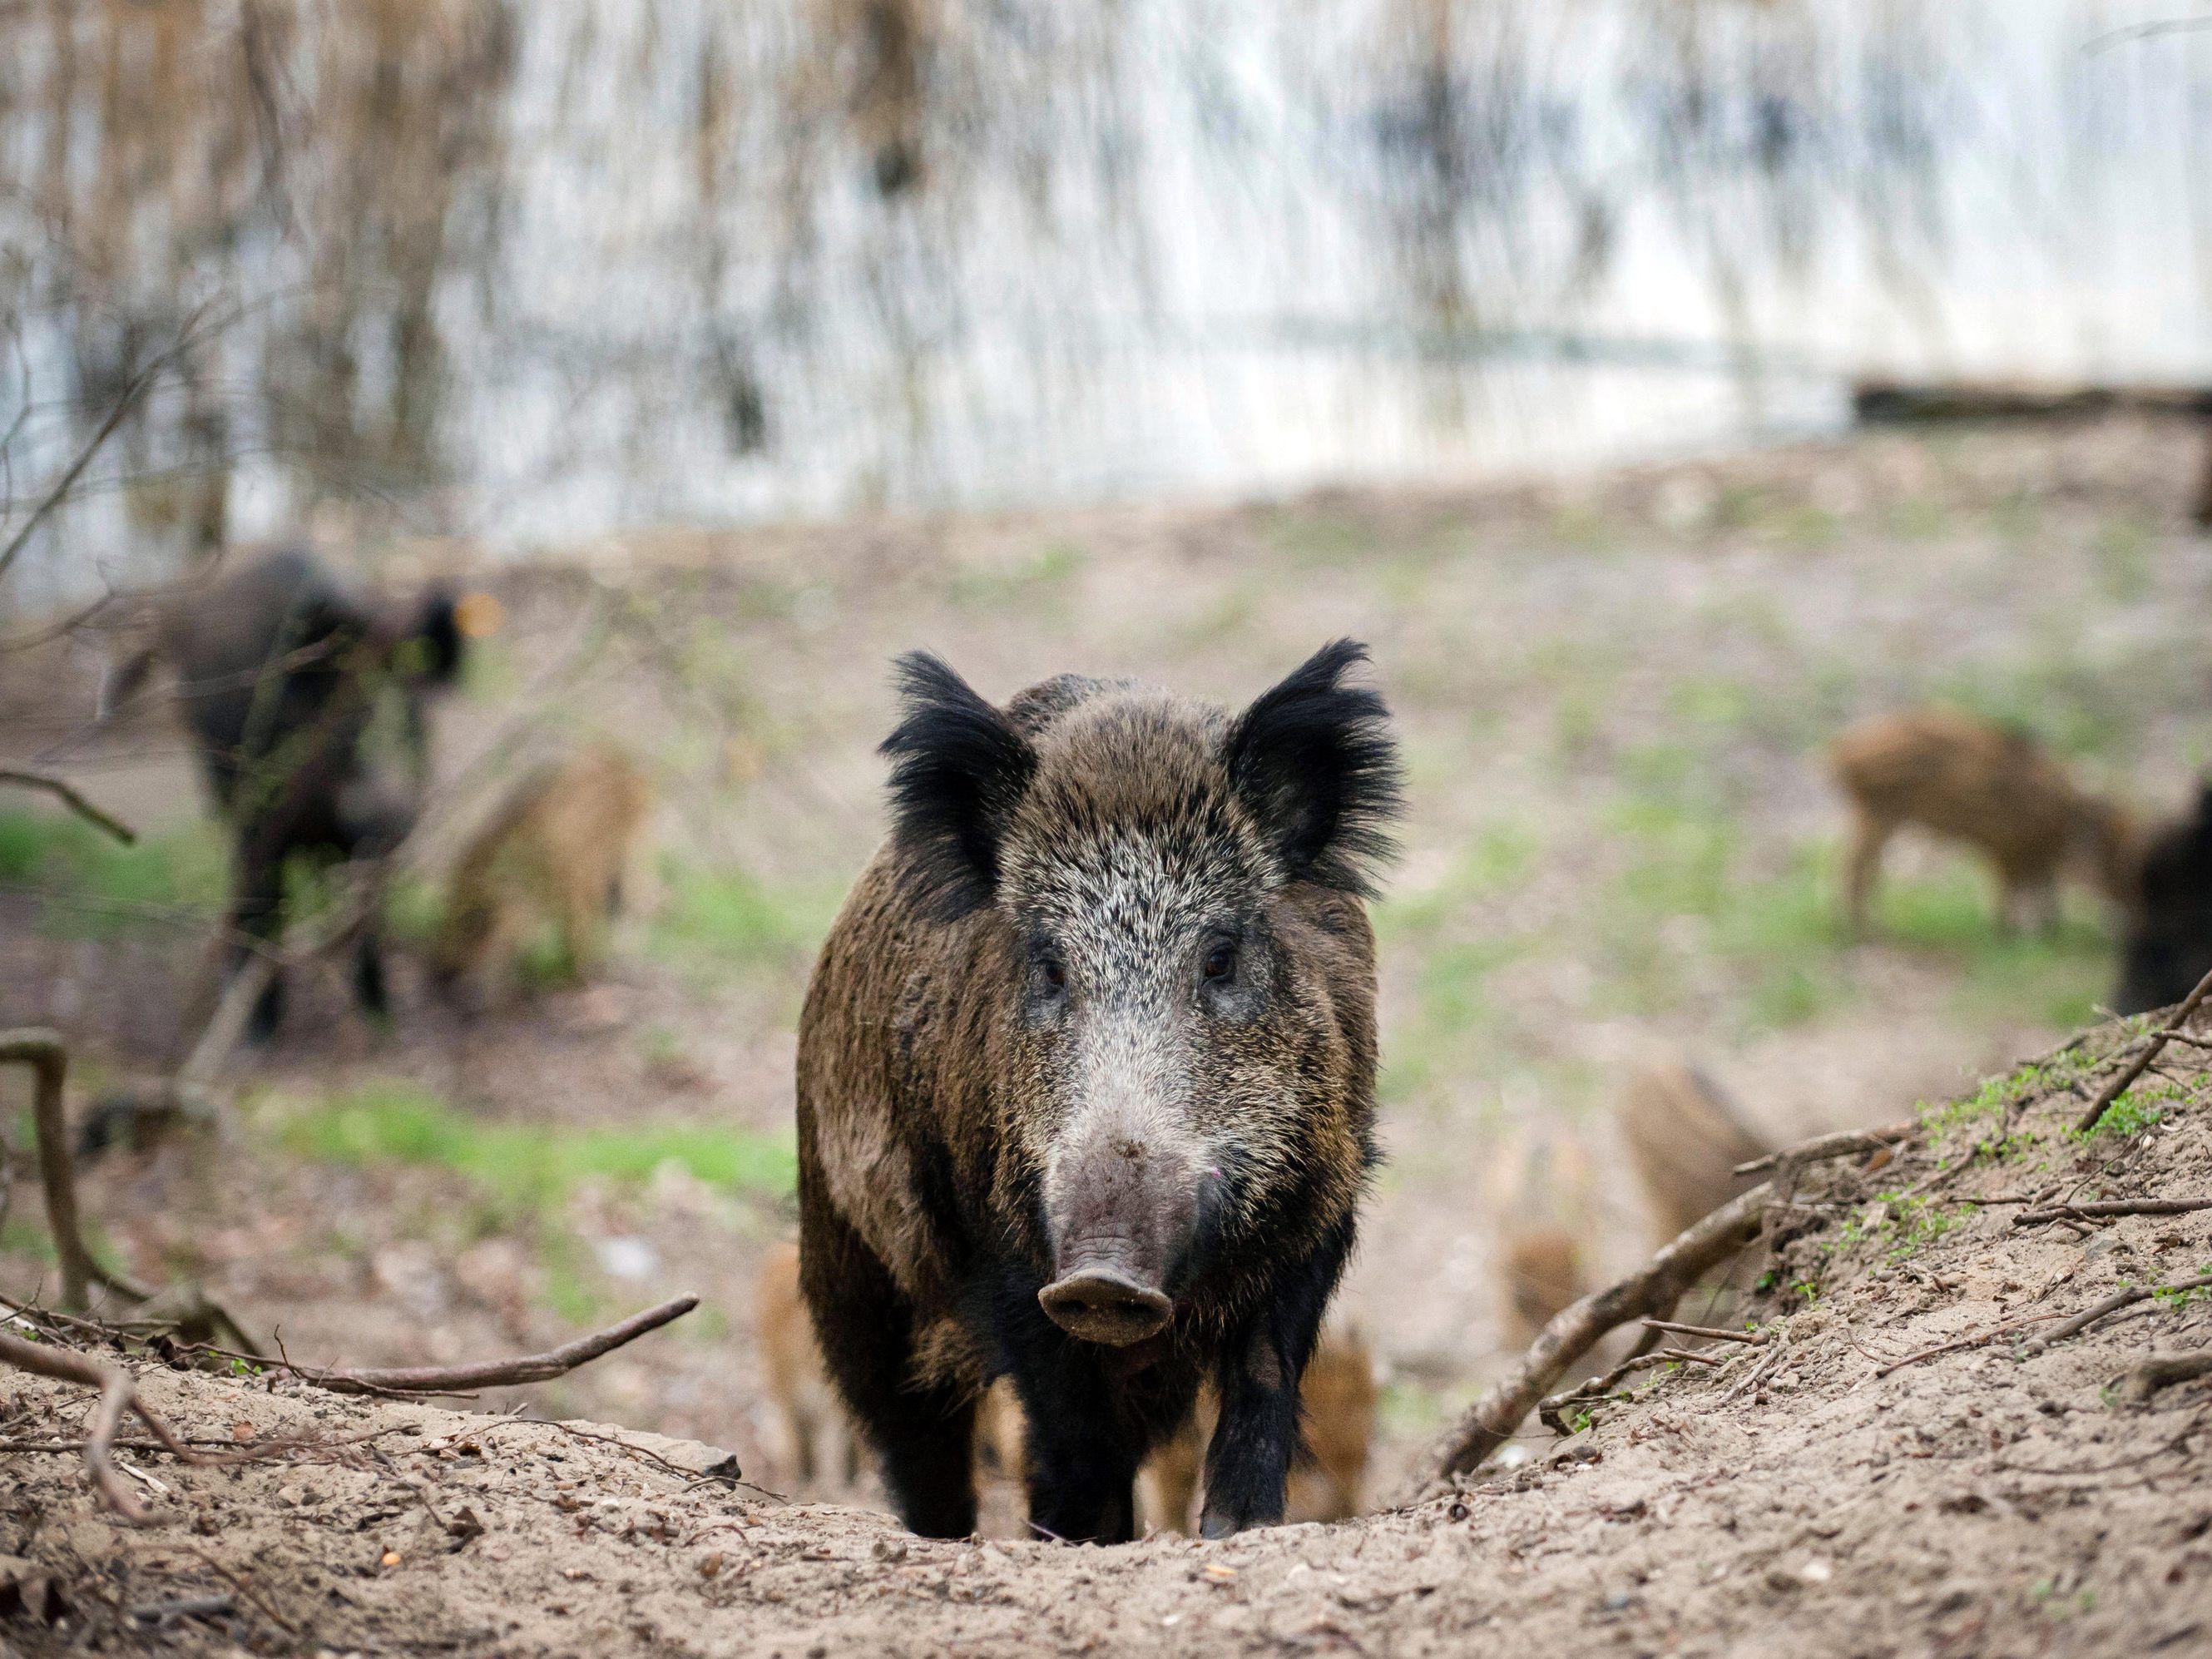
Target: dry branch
[(492, 1373), (70, 796), (116, 1396), (1552, 1411), (2147, 1376), (2111, 1304), (123, 404), (1649, 1292), (1844, 1143), (2120, 1084), (1749, 1339), (2103, 1207), (43, 1052)]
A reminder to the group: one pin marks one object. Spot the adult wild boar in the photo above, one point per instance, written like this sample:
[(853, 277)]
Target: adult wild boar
[(307, 704), (1086, 1083)]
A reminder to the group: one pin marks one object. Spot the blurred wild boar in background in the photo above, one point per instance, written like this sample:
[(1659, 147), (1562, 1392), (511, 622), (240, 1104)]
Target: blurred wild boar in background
[(555, 856), (307, 706), (1991, 788)]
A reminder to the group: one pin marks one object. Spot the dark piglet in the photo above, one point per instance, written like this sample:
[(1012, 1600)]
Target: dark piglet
[(2169, 941), (1086, 1083)]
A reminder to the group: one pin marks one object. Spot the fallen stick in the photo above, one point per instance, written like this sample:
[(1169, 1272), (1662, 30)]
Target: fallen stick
[(1552, 1410), (43, 1051), (1956, 1344), (2111, 1207), (2147, 1376), (1750, 1339), (491, 1373), (1651, 1291), (1843, 1143), (2111, 1304), (116, 1396), (2120, 1084), (70, 796)]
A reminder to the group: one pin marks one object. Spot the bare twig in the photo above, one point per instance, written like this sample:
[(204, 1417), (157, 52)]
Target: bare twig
[(1954, 1345), (1552, 1411), (1652, 1290), (1844, 1143), (494, 1373), (1750, 1339), (2111, 1304), (42, 1050), (68, 795), (116, 1396), (2147, 1376), (2111, 1207), (2119, 1086), (123, 404)]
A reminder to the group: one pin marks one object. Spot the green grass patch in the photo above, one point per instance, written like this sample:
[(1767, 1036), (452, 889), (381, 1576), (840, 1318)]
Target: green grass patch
[(529, 1166), (101, 887), (725, 918)]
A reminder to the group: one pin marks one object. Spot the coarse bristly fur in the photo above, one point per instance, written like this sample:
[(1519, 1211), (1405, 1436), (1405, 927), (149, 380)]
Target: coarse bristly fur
[(1099, 1012), (2168, 946)]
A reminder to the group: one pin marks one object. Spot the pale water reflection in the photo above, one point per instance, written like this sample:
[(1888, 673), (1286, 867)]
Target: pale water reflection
[(534, 273)]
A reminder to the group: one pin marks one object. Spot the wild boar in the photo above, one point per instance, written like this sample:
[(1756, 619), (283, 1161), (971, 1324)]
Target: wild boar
[(2168, 947), (306, 704), (1086, 1083), (1684, 1138), (1989, 787), (1336, 1414), (556, 856)]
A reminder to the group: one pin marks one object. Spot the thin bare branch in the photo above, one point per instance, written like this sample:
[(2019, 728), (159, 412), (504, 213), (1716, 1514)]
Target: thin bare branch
[(67, 793), (116, 1396), (1845, 1143), (494, 1373), (138, 389), (1651, 1291), (2120, 1084)]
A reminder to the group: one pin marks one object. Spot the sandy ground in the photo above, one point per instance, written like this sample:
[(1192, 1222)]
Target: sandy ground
[(1894, 1471)]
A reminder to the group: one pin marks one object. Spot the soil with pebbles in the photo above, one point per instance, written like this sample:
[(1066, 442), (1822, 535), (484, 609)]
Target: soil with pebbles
[(1894, 1470)]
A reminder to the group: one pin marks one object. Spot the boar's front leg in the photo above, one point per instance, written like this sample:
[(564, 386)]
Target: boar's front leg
[(1247, 1464), (1082, 1460), (924, 1432)]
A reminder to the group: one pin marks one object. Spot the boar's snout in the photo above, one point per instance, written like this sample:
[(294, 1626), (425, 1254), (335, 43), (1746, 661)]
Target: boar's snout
[(1124, 1213), (1101, 1304)]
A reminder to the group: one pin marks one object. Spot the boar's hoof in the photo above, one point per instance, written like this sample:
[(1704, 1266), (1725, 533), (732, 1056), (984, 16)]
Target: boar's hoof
[(1213, 1526), (1099, 1304)]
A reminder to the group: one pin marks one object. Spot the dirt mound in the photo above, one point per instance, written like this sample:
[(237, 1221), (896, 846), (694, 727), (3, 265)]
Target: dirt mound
[(1899, 1466)]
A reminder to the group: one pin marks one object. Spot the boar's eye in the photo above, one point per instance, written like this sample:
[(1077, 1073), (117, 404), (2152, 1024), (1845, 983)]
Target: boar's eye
[(1048, 971), (1220, 964)]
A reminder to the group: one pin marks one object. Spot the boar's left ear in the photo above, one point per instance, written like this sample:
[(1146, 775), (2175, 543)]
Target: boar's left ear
[(959, 771), (1314, 763)]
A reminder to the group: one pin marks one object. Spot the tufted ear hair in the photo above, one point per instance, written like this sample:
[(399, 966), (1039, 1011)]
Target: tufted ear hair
[(1313, 761), (959, 770)]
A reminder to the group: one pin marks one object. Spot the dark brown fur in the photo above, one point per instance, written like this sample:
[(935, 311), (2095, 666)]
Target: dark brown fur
[(1336, 1414), (1040, 1135), (2169, 942), (1993, 788)]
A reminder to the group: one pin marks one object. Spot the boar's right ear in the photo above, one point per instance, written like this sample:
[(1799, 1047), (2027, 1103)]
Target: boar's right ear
[(1313, 760), (960, 769)]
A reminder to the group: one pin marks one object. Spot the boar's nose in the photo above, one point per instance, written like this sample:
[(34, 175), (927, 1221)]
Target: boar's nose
[(1100, 1303)]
